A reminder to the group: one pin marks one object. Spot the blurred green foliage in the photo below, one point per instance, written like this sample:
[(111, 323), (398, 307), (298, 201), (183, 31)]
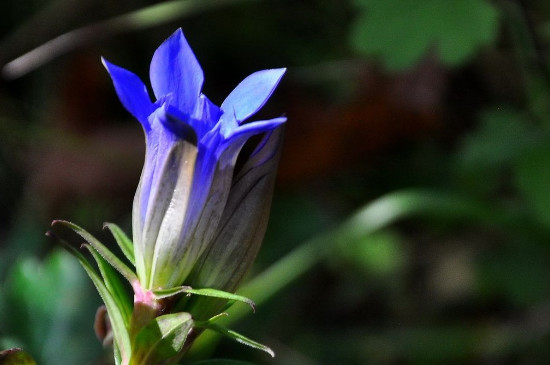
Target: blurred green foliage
[(42, 306), (402, 32)]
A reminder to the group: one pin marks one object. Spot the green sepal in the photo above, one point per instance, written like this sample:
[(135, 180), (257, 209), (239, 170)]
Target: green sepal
[(120, 331), (214, 319), (103, 251), (114, 285), (205, 292), (237, 337), (211, 320), (167, 293), (16, 356), (123, 241), (116, 353), (162, 339)]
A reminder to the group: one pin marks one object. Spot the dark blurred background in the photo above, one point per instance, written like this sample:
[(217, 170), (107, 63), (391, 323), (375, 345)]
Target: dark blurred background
[(425, 121)]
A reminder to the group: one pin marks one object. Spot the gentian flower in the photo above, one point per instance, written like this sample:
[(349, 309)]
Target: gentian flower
[(200, 210), (195, 219)]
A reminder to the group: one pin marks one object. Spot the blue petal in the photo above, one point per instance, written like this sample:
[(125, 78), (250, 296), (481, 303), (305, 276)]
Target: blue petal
[(163, 190), (179, 125), (175, 69), (241, 229), (203, 120), (249, 129), (252, 93), (132, 93), (159, 142), (207, 112)]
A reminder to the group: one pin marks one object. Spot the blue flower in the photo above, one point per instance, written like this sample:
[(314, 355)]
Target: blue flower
[(190, 203)]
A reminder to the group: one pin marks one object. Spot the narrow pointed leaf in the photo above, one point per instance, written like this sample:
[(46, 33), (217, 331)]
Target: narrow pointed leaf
[(122, 338), (162, 339), (166, 293), (217, 317), (214, 293), (208, 322), (103, 251), (114, 285), (124, 242), (240, 338)]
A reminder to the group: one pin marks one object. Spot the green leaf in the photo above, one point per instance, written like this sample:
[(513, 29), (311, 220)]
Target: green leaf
[(124, 242), (239, 338), (16, 357), (114, 285), (116, 317), (214, 293), (162, 339), (103, 251), (214, 318), (46, 297), (205, 292), (402, 32), (167, 293), (116, 353)]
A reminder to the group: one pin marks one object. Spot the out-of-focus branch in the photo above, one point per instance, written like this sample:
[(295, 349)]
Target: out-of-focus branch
[(139, 19), (43, 25)]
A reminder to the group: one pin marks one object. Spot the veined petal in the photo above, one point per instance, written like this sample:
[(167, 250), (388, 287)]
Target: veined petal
[(159, 141), (242, 227), (132, 92), (211, 187), (199, 221), (252, 93), (175, 69), (162, 197)]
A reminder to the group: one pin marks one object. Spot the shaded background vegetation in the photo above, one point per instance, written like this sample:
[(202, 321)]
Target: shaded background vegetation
[(412, 214)]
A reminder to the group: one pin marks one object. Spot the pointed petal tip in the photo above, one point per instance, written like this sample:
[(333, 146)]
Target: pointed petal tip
[(176, 36), (252, 93), (281, 70), (175, 68), (108, 65), (178, 32), (131, 91), (275, 74)]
